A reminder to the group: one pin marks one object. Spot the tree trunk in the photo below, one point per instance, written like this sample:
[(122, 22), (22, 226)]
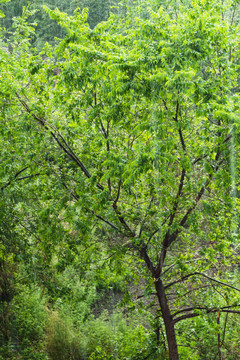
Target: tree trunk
[(168, 322)]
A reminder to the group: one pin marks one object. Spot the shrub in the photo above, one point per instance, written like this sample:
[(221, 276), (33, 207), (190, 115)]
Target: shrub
[(28, 323), (62, 342)]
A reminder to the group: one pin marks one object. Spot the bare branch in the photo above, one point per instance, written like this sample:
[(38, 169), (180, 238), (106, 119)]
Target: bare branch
[(28, 176), (208, 311), (163, 254), (103, 129), (165, 104), (19, 172), (204, 275), (184, 317), (224, 329), (204, 156), (170, 238), (73, 194), (66, 148), (199, 159), (218, 336), (232, 17), (204, 308)]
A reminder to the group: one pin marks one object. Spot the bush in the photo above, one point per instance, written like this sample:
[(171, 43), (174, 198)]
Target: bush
[(62, 342), (28, 322)]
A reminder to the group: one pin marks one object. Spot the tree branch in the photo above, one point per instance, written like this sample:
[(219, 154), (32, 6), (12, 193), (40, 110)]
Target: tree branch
[(199, 158), (59, 139), (118, 192), (76, 197), (174, 264), (204, 308), (15, 176), (18, 179), (121, 219), (145, 257), (179, 130), (175, 204), (204, 275), (66, 148), (104, 220), (170, 238), (152, 235), (208, 311)]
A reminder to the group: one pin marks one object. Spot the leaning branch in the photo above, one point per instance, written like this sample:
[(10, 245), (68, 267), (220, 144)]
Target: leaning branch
[(204, 308), (204, 275), (104, 220), (152, 235), (76, 197), (56, 135), (208, 311), (145, 257), (122, 220)]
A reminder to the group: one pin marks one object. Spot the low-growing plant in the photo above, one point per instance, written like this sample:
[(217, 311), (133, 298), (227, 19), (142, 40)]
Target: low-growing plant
[(63, 341)]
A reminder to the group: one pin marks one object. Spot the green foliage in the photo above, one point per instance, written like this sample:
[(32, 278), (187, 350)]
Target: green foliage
[(26, 326), (62, 342), (30, 318), (47, 30), (121, 142), (201, 341), (108, 337), (98, 10)]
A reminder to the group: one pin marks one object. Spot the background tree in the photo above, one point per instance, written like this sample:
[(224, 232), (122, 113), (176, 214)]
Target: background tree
[(46, 28)]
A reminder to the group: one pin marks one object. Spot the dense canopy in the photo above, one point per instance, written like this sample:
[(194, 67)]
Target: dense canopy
[(119, 178)]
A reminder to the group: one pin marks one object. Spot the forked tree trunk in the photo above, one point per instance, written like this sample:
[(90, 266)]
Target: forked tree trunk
[(168, 322)]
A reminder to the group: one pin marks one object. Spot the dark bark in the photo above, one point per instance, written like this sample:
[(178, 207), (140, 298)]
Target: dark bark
[(162, 299), (168, 321), (219, 337)]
